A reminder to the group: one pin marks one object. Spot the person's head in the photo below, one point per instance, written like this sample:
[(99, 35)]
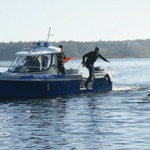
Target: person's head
[(61, 47), (96, 50)]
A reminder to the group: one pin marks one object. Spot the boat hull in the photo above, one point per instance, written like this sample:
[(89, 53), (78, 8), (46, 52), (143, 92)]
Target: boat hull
[(32, 88)]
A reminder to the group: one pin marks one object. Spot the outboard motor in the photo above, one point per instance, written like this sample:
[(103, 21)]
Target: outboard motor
[(98, 69)]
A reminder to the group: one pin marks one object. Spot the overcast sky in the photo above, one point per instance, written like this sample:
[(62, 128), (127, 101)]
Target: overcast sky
[(77, 20)]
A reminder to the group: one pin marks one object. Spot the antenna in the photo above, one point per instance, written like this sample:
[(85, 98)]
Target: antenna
[(48, 35)]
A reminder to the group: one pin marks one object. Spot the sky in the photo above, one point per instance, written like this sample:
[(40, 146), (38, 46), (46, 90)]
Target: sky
[(74, 20)]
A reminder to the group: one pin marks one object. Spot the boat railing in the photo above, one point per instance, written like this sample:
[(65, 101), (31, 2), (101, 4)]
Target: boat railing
[(109, 71)]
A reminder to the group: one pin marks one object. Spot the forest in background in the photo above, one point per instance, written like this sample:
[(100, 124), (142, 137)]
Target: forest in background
[(109, 49)]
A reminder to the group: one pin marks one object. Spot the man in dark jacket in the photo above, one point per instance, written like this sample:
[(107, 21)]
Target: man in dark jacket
[(60, 57), (91, 57)]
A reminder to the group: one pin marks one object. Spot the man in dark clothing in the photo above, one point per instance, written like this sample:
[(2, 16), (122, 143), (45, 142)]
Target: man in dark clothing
[(60, 57), (91, 57)]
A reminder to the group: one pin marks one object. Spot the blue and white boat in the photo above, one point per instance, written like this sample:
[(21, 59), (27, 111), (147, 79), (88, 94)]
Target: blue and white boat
[(40, 78)]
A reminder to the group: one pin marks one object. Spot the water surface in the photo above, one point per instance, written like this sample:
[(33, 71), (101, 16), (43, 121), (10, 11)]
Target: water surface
[(116, 120)]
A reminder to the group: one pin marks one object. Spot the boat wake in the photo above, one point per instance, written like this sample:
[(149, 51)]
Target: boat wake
[(129, 88)]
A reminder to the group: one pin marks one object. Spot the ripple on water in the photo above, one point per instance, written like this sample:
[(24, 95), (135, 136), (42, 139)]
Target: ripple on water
[(114, 120)]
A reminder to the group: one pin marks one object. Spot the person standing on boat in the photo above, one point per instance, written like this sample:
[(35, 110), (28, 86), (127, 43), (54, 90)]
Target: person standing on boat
[(88, 61), (60, 57)]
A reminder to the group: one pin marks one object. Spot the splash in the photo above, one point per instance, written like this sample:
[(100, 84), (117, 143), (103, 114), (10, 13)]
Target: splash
[(129, 88)]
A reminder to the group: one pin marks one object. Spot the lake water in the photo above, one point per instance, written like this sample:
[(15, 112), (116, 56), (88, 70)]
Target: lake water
[(117, 120)]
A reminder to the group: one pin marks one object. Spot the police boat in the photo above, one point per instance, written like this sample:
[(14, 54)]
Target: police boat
[(34, 73)]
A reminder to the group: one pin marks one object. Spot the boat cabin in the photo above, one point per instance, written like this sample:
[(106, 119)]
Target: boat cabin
[(36, 60)]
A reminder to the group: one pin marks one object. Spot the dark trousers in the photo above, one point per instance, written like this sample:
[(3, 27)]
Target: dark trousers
[(61, 69), (91, 74)]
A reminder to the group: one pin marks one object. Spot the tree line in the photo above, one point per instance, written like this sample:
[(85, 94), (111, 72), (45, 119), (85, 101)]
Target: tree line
[(109, 49)]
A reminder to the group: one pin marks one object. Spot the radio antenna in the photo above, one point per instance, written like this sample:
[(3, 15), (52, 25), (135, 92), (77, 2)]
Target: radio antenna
[(48, 35)]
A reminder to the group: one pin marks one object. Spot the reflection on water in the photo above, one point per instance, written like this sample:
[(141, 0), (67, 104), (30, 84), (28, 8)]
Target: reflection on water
[(91, 121), (52, 123), (103, 121)]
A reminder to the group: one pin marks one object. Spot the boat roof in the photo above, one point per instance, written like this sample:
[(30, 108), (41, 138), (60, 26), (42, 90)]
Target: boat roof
[(39, 51)]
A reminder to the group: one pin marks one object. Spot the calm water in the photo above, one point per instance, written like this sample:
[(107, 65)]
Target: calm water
[(117, 120)]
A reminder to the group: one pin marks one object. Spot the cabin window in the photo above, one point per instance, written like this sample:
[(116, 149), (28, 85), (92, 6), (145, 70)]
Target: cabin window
[(25, 64), (32, 64), (17, 63), (47, 62)]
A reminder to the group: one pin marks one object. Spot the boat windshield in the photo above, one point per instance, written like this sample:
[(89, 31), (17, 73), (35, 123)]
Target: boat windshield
[(24, 64)]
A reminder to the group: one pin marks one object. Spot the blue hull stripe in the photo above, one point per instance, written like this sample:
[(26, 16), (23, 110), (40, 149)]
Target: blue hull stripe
[(43, 77)]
